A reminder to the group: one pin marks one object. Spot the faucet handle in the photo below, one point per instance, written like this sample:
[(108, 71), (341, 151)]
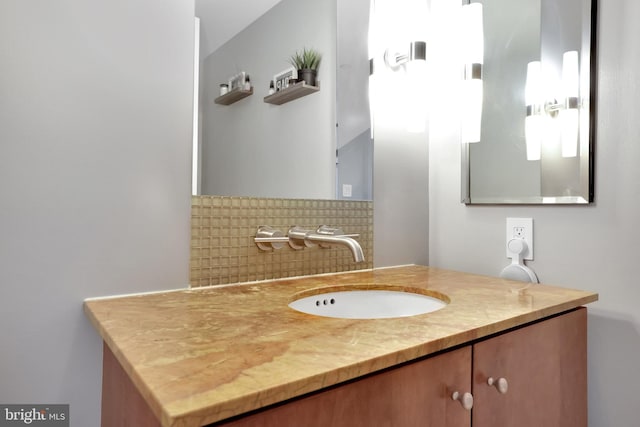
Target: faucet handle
[(298, 238), (333, 231), (268, 238), (329, 231), (325, 230)]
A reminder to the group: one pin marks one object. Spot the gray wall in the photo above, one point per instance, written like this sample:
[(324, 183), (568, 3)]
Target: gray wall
[(252, 148), (355, 167), (95, 130), (593, 248), (352, 98)]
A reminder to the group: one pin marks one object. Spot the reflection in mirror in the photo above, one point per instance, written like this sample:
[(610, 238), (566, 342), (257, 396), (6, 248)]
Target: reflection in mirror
[(253, 148), (506, 166), (353, 130)]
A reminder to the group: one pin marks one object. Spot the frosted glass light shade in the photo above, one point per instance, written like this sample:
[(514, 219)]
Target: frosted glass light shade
[(472, 110), (373, 36), (372, 101), (570, 116), (473, 30), (569, 122), (473, 54), (570, 75), (416, 100), (533, 123), (533, 86), (533, 128)]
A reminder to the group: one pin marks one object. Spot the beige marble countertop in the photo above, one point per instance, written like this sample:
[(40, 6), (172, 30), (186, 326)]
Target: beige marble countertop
[(203, 355)]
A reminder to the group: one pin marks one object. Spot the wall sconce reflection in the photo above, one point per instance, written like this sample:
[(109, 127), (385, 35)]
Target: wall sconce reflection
[(391, 58), (414, 62), (533, 122), (540, 109), (569, 115), (473, 54)]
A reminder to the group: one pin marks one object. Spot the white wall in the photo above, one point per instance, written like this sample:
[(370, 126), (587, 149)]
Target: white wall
[(95, 130), (594, 247)]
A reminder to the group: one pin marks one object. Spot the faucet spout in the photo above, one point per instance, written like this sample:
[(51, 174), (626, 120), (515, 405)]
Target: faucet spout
[(352, 244), (325, 236)]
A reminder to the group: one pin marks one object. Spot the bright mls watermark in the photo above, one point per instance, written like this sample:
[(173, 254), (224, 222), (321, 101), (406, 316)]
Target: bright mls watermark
[(34, 415)]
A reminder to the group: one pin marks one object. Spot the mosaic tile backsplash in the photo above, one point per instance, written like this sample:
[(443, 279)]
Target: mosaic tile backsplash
[(223, 228)]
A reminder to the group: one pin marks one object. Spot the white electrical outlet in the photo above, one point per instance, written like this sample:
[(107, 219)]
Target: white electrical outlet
[(521, 228)]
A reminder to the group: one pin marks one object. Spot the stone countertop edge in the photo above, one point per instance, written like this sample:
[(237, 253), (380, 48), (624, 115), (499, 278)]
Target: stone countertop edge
[(203, 355)]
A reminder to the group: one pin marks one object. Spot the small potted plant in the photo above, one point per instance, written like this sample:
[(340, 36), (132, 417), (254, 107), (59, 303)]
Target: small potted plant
[(307, 63)]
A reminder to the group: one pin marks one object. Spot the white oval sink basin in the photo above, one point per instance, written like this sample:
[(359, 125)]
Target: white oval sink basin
[(367, 304)]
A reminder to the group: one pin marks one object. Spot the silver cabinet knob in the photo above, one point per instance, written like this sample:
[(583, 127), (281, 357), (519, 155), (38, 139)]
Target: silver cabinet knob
[(465, 399), (500, 384)]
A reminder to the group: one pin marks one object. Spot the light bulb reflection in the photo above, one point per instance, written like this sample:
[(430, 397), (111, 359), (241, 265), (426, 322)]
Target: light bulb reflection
[(570, 116)]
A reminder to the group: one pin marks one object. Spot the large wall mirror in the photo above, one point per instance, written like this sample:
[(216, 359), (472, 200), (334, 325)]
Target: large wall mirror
[(538, 83), (315, 147)]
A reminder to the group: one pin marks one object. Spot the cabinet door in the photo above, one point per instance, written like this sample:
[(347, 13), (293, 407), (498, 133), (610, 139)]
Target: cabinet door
[(545, 367), (417, 394), (122, 403)]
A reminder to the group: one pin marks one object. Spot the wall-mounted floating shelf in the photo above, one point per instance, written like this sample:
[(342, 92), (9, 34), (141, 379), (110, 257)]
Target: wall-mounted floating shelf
[(233, 96), (295, 91)]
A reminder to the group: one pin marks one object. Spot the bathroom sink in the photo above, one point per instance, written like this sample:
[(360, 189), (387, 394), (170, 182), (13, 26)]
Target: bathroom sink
[(369, 303)]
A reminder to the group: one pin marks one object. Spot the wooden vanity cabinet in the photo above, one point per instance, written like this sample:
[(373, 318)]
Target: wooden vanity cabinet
[(543, 365), (415, 394)]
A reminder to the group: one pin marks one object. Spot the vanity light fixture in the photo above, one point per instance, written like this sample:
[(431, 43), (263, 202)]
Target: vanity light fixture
[(413, 61), (408, 58), (473, 56), (539, 110), (415, 65), (417, 52)]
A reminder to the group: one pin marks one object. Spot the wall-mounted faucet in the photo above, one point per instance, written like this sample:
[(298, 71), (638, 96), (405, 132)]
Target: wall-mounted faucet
[(268, 238), (325, 236)]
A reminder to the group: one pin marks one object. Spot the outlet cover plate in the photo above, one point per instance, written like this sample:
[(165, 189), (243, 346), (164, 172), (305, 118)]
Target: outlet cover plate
[(520, 228)]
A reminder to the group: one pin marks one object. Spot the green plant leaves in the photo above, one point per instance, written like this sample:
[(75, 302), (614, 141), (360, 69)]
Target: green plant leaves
[(307, 59)]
